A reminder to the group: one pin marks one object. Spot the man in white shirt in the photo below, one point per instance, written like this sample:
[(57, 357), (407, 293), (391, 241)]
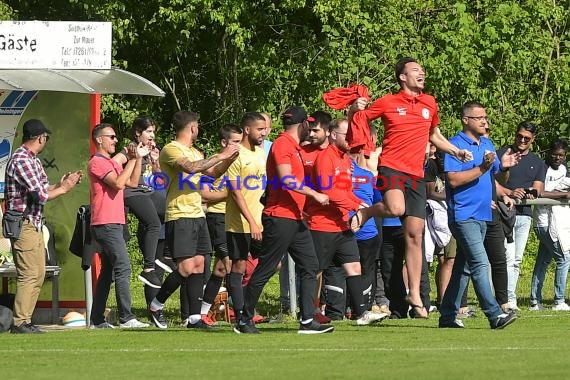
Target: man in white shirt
[(549, 249)]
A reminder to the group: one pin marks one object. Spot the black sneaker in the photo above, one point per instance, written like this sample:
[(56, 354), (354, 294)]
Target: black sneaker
[(315, 327), (150, 279), (248, 328), (25, 328), (200, 325), (166, 263), (157, 317), (503, 320), (455, 324)]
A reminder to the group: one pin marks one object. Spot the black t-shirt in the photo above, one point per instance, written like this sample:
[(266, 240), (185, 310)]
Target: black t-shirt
[(529, 169)]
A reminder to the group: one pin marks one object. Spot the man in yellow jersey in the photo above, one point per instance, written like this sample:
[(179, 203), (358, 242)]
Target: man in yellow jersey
[(186, 231), (246, 177), (215, 195)]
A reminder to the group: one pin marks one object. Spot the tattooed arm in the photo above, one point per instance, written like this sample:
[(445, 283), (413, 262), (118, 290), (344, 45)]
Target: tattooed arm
[(214, 166)]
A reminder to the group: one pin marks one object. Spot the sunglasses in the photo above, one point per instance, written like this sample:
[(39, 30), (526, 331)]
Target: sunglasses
[(478, 118), (523, 138), (112, 137)]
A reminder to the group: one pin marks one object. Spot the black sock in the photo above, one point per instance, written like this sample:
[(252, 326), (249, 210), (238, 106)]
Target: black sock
[(149, 291), (354, 287), (169, 286), (194, 284), (236, 292), (212, 288), (184, 307)]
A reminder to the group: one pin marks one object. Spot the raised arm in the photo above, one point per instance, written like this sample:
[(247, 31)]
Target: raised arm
[(441, 143), (214, 166)]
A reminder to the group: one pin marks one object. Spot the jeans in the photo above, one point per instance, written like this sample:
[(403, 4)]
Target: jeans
[(471, 260), (515, 251), (548, 250), (115, 264)]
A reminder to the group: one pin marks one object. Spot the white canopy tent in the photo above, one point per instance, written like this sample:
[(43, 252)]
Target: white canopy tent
[(113, 81)]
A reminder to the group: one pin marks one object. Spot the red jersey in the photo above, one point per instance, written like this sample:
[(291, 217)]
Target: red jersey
[(282, 202), (332, 175), (309, 155), (407, 122)]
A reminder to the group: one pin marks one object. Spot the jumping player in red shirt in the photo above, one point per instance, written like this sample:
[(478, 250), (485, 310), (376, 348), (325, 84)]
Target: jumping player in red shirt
[(410, 120)]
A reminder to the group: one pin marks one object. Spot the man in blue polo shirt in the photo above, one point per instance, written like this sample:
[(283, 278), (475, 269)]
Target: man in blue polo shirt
[(469, 196)]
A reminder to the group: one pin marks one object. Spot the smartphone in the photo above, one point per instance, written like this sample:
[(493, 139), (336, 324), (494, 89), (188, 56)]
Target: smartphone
[(532, 191)]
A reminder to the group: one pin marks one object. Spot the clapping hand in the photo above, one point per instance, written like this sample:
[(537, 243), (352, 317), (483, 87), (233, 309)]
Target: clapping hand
[(488, 160), (154, 152), (510, 159), (464, 155), (135, 151), (70, 179)]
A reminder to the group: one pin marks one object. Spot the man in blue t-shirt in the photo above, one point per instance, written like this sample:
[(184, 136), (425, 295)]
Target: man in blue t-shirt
[(469, 196)]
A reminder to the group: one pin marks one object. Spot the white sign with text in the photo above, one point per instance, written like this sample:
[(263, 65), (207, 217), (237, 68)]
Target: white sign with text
[(55, 45)]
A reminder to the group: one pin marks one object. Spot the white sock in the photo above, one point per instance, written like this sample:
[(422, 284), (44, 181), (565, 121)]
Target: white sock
[(156, 305), (205, 308), (194, 318)]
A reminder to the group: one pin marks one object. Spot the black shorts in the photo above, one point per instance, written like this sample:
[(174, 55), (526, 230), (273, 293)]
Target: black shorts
[(217, 228), (414, 189), (240, 244), (188, 237), (336, 248)]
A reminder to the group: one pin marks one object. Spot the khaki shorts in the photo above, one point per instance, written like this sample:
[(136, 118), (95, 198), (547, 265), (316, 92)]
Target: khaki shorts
[(450, 249)]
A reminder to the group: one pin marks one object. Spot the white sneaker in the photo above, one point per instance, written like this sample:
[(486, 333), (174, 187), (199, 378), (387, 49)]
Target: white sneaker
[(513, 306), (561, 307), (536, 307), (133, 324), (370, 317)]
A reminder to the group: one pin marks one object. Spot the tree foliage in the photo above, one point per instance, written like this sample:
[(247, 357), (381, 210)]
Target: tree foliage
[(224, 57)]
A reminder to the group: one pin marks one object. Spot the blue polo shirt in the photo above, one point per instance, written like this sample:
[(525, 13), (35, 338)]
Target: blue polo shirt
[(472, 200), (362, 186)]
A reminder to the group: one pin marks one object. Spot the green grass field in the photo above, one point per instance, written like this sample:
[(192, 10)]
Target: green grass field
[(536, 346)]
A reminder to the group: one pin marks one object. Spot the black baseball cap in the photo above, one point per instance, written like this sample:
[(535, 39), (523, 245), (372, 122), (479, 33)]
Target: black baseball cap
[(296, 115), (33, 128)]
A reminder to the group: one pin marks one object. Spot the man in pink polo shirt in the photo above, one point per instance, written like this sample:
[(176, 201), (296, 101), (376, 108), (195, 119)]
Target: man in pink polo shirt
[(108, 179)]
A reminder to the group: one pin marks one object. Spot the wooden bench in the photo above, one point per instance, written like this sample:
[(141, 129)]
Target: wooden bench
[(52, 272)]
